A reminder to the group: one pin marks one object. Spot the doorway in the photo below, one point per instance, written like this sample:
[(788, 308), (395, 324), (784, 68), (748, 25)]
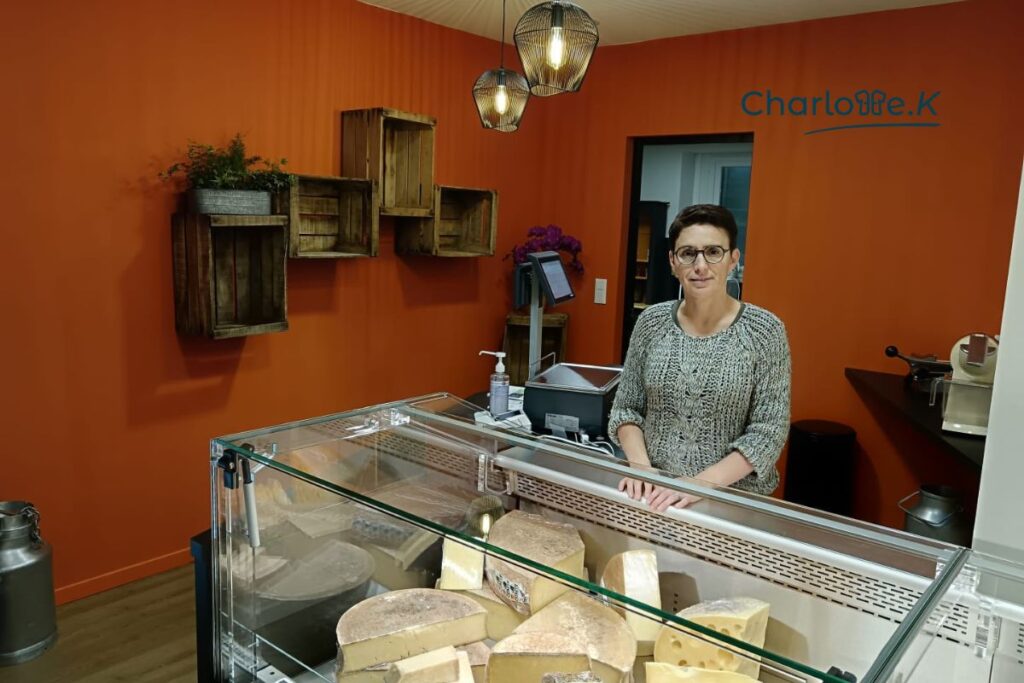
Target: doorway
[(669, 174)]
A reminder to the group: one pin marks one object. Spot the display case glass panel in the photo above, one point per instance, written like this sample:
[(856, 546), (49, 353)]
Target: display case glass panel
[(367, 507)]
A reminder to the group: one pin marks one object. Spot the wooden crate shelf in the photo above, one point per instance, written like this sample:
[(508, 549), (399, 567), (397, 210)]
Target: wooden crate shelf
[(554, 339), (396, 149), (229, 274), (330, 217), (465, 223)]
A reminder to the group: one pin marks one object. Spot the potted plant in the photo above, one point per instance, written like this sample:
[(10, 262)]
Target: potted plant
[(549, 238), (225, 180)]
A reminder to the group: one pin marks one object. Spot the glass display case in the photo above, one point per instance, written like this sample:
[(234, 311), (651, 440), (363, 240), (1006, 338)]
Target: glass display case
[(347, 542), (974, 631)]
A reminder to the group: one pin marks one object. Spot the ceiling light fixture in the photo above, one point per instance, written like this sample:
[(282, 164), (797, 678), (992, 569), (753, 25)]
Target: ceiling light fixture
[(555, 41), (501, 94)]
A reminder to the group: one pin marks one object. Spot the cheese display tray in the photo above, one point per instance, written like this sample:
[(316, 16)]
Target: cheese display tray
[(363, 546)]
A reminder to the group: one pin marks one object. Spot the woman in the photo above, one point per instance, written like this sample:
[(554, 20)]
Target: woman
[(705, 387)]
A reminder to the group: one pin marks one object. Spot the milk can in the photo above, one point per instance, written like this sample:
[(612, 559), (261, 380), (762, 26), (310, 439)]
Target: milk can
[(938, 514), (28, 617)]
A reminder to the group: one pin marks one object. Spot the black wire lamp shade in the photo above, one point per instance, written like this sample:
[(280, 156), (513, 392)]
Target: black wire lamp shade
[(555, 41), (501, 97)]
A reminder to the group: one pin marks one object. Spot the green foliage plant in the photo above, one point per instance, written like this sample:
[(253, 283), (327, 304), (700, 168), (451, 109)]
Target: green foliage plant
[(228, 168)]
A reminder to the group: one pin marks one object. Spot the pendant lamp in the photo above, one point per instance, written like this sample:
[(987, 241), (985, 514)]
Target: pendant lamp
[(555, 41), (501, 94)]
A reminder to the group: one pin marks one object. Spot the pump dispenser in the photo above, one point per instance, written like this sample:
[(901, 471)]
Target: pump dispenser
[(499, 385)]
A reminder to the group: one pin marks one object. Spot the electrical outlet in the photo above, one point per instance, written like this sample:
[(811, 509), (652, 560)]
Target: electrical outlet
[(600, 291)]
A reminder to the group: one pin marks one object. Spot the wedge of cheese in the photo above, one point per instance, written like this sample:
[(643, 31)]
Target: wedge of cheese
[(553, 544), (437, 666), (476, 656), (501, 619), (465, 669), (610, 644), (745, 619), (634, 574), (666, 673), (404, 623), (462, 567), (526, 657)]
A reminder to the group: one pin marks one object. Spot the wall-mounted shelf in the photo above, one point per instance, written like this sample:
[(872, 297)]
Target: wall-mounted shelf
[(229, 274), (331, 217), (396, 149), (913, 406), (465, 223)]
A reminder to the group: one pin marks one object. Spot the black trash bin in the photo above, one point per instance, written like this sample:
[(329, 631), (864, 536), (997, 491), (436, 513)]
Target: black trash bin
[(820, 466)]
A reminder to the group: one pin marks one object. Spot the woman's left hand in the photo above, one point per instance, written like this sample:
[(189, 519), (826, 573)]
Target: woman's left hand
[(661, 499)]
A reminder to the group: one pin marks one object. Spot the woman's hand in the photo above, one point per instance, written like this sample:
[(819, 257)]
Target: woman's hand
[(661, 499), (635, 488), (658, 498)]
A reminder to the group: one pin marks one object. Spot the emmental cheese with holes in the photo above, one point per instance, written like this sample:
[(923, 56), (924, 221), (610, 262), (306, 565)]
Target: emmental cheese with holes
[(527, 657), (745, 619), (666, 673), (609, 641), (549, 543), (634, 574), (404, 623)]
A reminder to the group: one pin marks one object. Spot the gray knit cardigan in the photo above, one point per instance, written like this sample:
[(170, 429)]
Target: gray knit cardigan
[(697, 399)]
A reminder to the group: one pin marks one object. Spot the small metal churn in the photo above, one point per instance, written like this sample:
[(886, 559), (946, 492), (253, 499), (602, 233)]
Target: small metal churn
[(28, 615)]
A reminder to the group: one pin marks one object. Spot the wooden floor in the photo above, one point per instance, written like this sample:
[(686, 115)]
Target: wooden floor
[(144, 632)]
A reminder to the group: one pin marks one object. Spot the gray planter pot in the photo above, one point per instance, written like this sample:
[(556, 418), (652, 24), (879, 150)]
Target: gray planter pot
[(235, 202)]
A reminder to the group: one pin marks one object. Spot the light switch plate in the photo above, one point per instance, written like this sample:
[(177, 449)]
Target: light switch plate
[(600, 291)]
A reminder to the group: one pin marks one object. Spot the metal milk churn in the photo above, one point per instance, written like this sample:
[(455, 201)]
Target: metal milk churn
[(28, 616), (938, 514)]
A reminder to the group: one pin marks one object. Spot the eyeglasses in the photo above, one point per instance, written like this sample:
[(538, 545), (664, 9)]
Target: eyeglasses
[(712, 254)]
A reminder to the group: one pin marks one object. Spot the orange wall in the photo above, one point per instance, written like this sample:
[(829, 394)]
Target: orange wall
[(108, 413), (857, 239)]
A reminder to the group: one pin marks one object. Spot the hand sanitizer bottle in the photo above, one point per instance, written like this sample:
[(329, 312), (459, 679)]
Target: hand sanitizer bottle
[(499, 385)]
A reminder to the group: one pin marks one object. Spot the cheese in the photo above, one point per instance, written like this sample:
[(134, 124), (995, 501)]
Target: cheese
[(404, 623), (666, 673), (745, 619), (585, 677), (465, 669), (634, 574), (553, 544), (526, 657), (462, 566), (501, 619), (476, 655), (610, 644), (436, 666)]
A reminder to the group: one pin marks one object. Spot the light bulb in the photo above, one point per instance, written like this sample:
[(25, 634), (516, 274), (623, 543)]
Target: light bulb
[(556, 48), (501, 100)]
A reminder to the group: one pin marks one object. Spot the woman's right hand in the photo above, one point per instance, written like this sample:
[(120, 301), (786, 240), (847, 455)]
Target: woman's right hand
[(634, 488)]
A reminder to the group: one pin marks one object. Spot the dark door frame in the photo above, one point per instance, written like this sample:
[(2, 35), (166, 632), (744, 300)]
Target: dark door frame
[(635, 183)]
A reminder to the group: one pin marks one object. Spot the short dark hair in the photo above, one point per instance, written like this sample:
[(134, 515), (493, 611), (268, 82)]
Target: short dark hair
[(701, 214)]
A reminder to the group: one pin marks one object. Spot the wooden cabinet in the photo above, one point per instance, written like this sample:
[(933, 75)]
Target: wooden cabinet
[(648, 277), (396, 149), (331, 217), (229, 274), (465, 223)]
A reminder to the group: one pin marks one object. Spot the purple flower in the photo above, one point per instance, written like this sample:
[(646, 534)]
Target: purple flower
[(549, 238)]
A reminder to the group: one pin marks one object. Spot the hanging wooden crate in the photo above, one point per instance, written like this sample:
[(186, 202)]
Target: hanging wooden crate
[(330, 217), (229, 274), (465, 223), (396, 149)]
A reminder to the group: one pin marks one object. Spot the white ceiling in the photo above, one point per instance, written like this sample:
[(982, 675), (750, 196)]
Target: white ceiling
[(633, 21)]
